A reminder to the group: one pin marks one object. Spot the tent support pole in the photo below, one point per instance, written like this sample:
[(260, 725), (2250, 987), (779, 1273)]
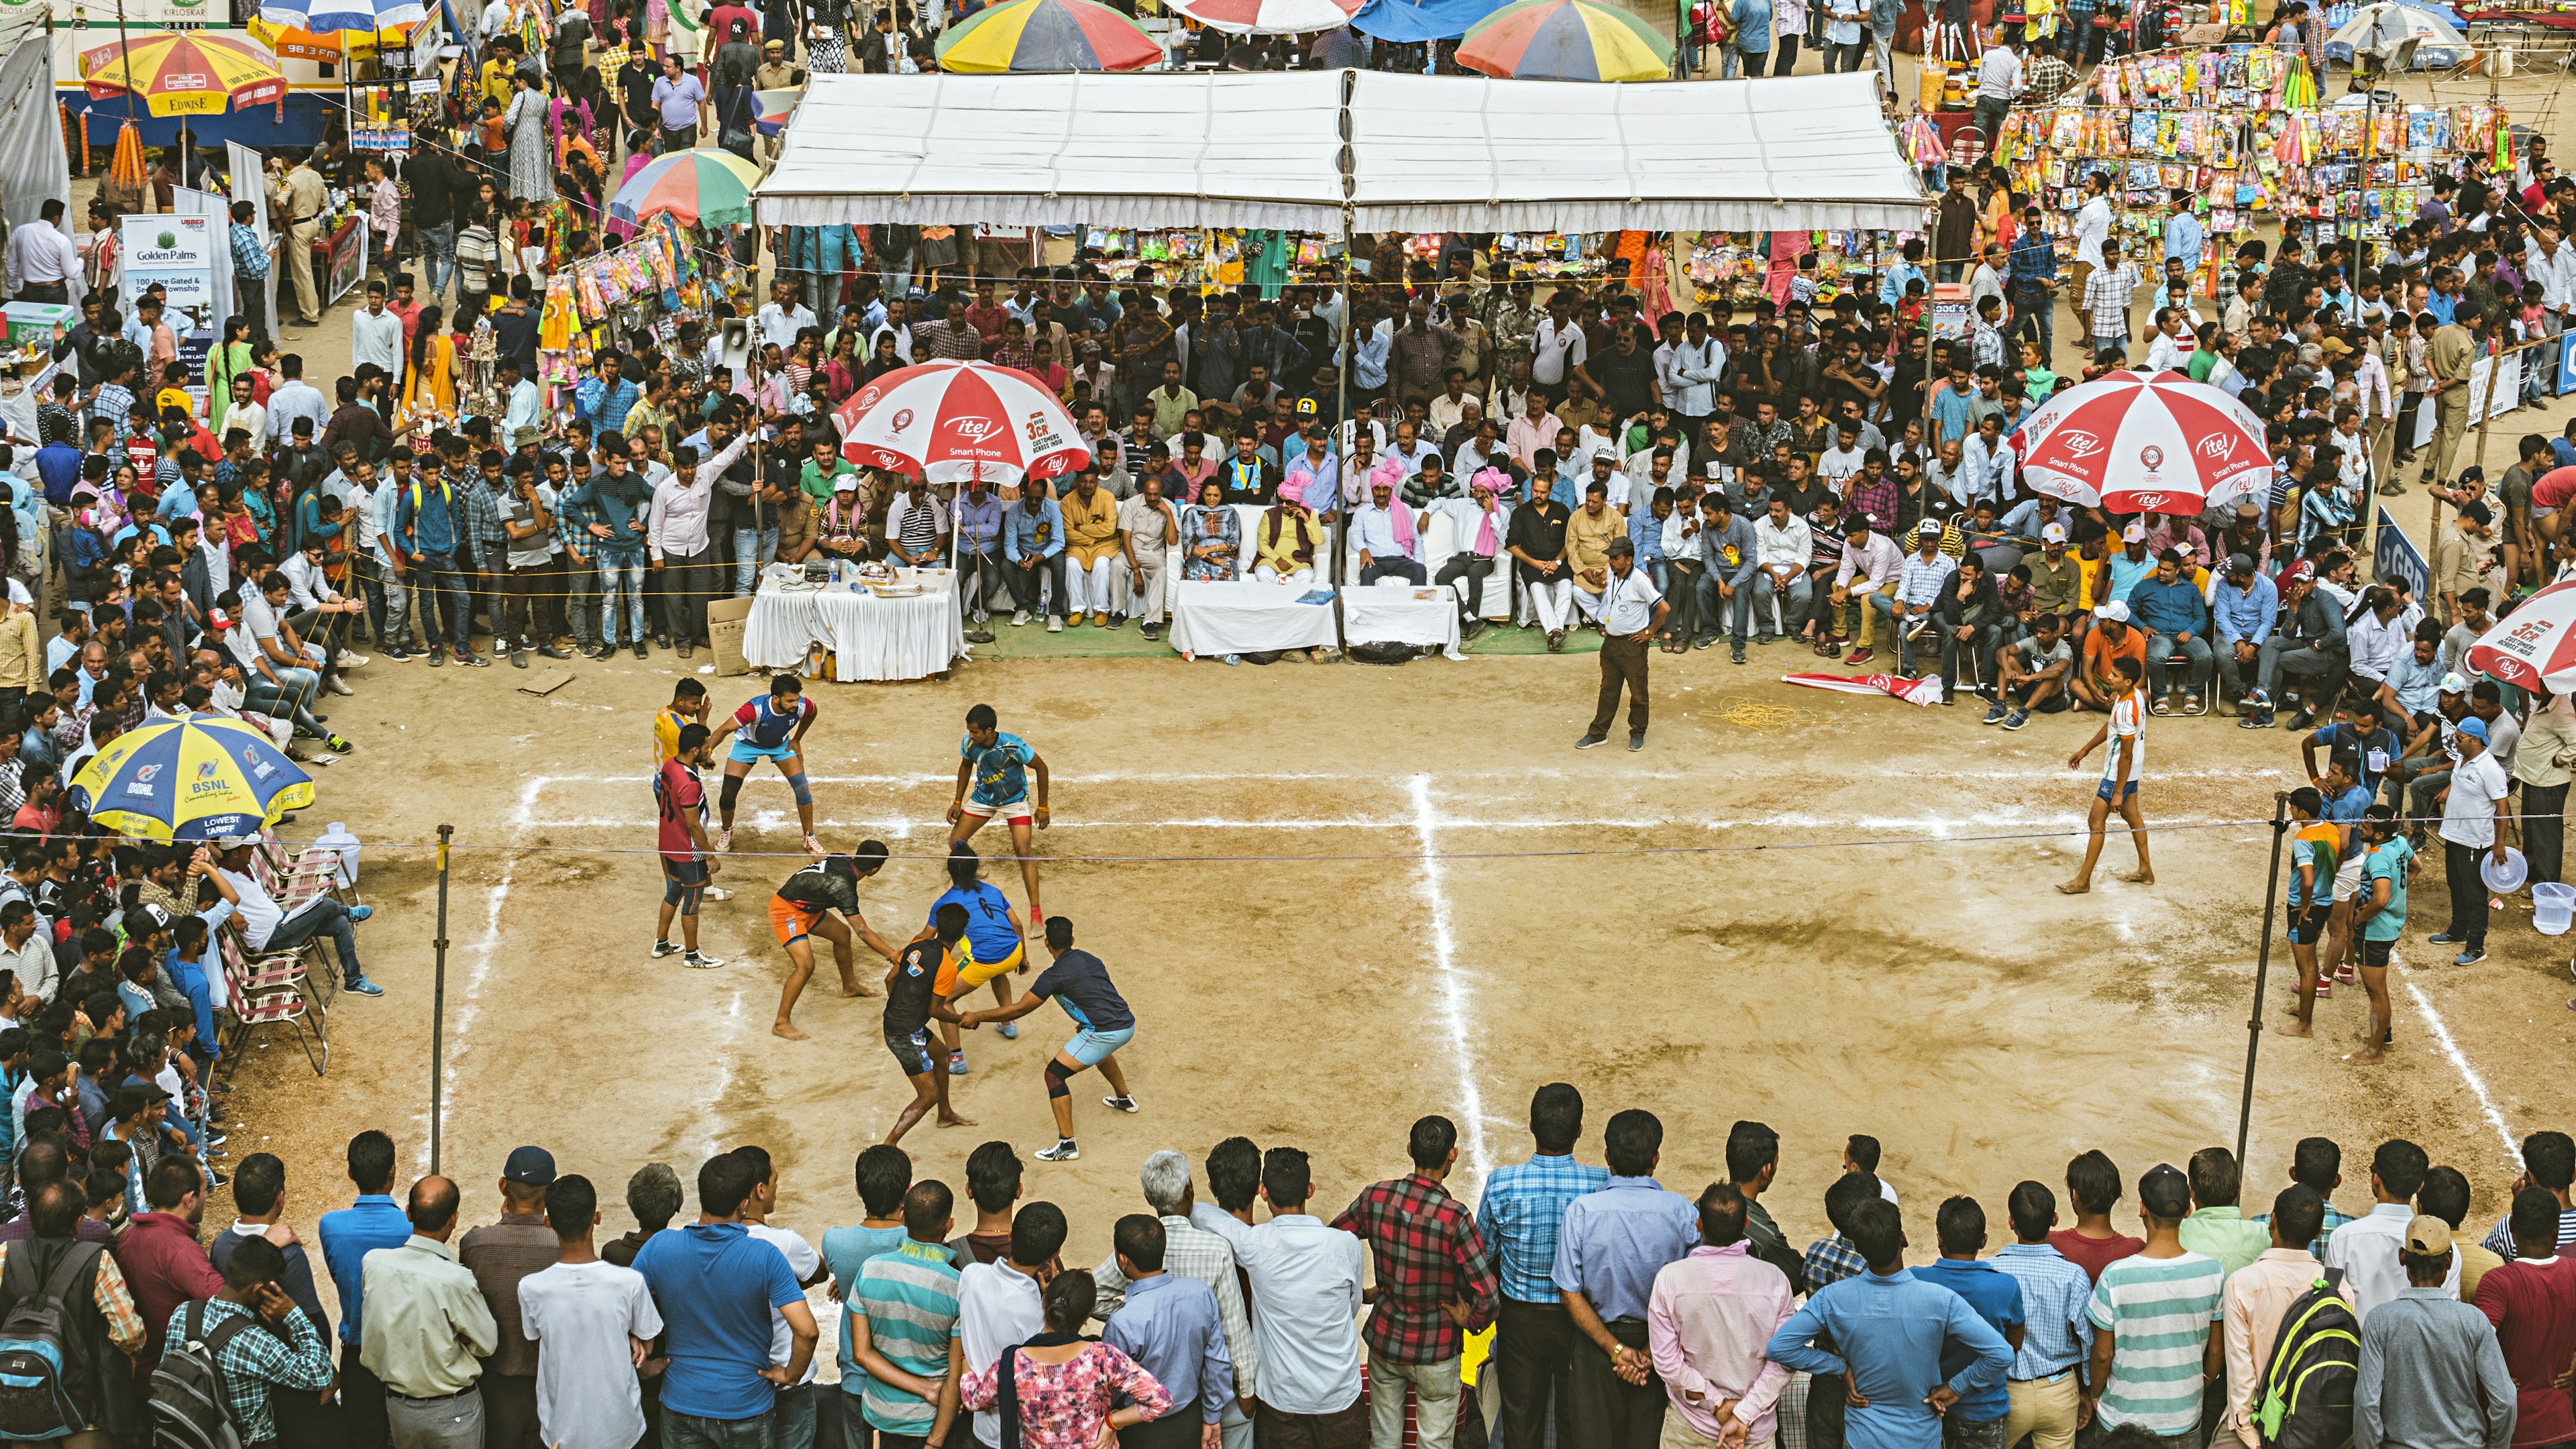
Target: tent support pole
[(1350, 358)]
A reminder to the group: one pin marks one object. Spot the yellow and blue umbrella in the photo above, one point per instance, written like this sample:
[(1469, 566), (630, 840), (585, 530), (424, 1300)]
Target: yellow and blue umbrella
[(1047, 36), (190, 779)]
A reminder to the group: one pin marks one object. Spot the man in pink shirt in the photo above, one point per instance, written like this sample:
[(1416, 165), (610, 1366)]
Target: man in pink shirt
[(2258, 1294), (1706, 1323), (1534, 429)]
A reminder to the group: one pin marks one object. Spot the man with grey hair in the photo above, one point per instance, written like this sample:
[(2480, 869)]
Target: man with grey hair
[(1193, 1252)]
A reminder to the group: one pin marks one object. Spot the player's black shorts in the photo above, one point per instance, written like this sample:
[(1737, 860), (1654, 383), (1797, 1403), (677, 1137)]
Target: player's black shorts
[(2374, 954), (2308, 924), (912, 1050)]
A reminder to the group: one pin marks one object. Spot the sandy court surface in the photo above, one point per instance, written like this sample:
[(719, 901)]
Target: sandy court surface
[(1476, 909)]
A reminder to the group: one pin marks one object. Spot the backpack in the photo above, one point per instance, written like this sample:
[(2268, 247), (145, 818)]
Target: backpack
[(35, 1384), (188, 1405), (2306, 1393)]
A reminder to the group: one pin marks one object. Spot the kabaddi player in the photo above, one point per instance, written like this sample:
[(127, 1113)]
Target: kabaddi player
[(998, 767), (1102, 1024), (994, 946), (802, 909), (769, 727), (2316, 849), (688, 706), (681, 801), (912, 1000), (2121, 766)]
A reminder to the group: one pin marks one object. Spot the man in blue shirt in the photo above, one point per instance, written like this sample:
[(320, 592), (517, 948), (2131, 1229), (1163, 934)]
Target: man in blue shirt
[(2030, 281), (1895, 1332), (2169, 609), (1977, 1420), (1169, 1325), (1033, 539), (2046, 1380), (716, 1285), (2182, 232), (373, 1221), (1518, 1217), (1608, 1251)]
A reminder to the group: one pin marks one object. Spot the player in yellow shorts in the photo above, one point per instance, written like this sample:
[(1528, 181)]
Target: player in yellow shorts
[(991, 949)]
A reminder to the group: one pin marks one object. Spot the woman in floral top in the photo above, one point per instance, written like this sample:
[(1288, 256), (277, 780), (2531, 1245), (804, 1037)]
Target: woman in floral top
[(1057, 1395)]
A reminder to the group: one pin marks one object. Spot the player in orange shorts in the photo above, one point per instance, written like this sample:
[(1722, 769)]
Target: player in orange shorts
[(802, 909)]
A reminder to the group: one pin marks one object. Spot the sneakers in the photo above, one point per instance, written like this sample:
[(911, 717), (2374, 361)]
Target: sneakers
[(472, 660), (640, 651), (724, 839), (1995, 712), (437, 658), (1119, 1104), (1064, 1150), (2445, 938), (1010, 1030), (2470, 957), (2257, 718), (700, 960), (335, 744), (1055, 626), (1589, 740), (1019, 618), (360, 913), (956, 1064), (1637, 741), (1862, 655), (360, 986), (339, 686), (2016, 719), (815, 848), (664, 948), (1738, 653)]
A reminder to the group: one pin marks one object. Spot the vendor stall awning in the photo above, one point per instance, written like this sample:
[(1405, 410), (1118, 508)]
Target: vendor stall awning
[(1427, 153)]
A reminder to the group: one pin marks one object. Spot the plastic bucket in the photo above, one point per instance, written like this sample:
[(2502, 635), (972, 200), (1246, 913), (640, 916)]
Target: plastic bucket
[(2551, 906)]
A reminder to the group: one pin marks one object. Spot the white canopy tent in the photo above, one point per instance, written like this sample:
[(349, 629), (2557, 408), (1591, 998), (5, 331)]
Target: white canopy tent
[(1426, 153)]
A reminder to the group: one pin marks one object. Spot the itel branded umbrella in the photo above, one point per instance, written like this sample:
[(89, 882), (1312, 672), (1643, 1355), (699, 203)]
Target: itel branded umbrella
[(950, 420), (2135, 442)]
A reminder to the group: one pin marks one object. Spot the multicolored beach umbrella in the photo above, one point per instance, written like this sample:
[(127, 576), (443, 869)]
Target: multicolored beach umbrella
[(702, 187), (1566, 40), (1047, 36)]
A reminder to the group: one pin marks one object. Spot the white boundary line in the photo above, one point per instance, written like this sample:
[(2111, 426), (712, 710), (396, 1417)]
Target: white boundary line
[(2460, 1061), (1453, 1009), (2040, 773), (470, 1004)]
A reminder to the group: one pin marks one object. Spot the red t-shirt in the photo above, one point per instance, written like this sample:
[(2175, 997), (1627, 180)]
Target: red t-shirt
[(2533, 1307), (2093, 1254), (2552, 490), (682, 799)]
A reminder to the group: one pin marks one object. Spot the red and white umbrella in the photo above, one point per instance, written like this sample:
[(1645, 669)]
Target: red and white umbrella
[(950, 420), (2535, 644), (1269, 17), (2136, 442)]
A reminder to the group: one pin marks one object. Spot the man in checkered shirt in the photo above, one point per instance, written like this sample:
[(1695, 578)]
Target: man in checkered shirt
[(1433, 1288), (277, 1346), (2106, 300)]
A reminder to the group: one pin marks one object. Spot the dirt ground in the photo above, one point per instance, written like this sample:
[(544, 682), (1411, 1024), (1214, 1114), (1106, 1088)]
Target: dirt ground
[(1835, 919)]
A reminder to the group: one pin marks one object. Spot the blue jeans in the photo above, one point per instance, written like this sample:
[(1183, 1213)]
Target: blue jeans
[(438, 258), (792, 1421), (581, 600), (688, 1431), (2036, 320), (621, 575), (291, 696), (1793, 604), (437, 580), (326, 916), (749, 560), (840, 247), (1713, 609)]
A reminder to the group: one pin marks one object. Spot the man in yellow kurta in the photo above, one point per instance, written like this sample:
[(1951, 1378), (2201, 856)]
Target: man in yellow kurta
[(1090, 546), (1587, 547)]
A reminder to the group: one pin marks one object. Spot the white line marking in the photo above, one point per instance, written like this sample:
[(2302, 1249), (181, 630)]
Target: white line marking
[(2477, 1084), (468, 1007), (1453, 1010), (1931, 827), (2038, 772)]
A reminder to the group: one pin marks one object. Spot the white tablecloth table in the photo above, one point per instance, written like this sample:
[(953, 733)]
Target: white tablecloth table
[(870, 637), (1244, 616), (1409, 615)]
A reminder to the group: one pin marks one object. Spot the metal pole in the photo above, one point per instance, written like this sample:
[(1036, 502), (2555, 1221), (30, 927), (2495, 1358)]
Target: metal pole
[(2262, 971), (1350, 359), (438, 1007)]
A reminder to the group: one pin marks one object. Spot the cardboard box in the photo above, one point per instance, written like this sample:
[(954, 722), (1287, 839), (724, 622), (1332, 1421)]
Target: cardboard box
[(726, 620)]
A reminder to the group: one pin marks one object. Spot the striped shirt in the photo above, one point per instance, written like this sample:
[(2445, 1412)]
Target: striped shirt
[(2160, 1310), (2500, 1241), (910, 1298), (1523, 1206), (2057, 1330)]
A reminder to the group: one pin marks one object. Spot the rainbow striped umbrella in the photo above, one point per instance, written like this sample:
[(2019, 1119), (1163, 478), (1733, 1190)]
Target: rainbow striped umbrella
[(1042, 36), (703, 187), (184, 73), (1566, 40), (770, 109)]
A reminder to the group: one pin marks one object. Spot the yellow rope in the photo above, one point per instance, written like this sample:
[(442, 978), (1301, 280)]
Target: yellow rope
[(1763, 716)]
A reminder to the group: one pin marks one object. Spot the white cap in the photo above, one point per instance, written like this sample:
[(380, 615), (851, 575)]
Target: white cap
[(2136, 532), (2052, 533), (2113, 612)]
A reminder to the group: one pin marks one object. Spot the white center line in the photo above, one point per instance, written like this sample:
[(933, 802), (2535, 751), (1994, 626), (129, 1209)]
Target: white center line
[(1453, 1006), (466, 1006), (2477, 1084)]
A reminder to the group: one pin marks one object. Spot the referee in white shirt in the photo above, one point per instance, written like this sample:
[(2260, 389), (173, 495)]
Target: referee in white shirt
[(1631, 611)]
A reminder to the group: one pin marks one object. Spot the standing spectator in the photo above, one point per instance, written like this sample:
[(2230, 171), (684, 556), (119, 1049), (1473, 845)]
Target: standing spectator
[(591, 1322), (902, 1326), (259, 1200), (884, 1175), (1752, 1160), (2046, 1381), (2093, 1186), (793, 1425), (500, 1255), (2258, 1294), (1608, 1252), (1190, 1251), (2216, 1227), (1893, 1331), (2531, 1300), (2548, 1162), (1707, 1321), (2366, 1247), (1977, 1420), (1433, 1288), (2473, 811), (2432, 1375), (1305, 1295), (1054, 1390), (159, 1255), (1169, 1326), (715, 1285), (427, 1328), (287, 1353), (1523, 1205), (2152, 1311), (1003, 1303), (373, 1220), (98, 1314)]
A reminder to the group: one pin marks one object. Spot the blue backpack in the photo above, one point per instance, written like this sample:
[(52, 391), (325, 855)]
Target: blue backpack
[(35, 1388)]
